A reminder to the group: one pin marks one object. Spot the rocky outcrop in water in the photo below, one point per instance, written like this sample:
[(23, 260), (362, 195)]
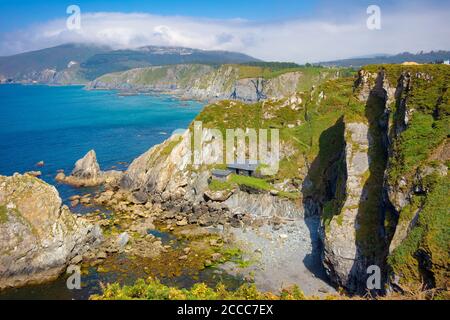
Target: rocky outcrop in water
[(38, 236), (87, 173), (87, 167)]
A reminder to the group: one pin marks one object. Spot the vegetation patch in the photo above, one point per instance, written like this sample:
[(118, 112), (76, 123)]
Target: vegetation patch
[(424, 255), (217, 185), (152, 289), (251, 182)]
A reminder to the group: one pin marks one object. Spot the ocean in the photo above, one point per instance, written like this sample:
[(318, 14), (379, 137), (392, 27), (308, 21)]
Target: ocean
[(58, 125)]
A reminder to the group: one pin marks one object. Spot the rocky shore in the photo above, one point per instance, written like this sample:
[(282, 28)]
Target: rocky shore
[(38, 235)]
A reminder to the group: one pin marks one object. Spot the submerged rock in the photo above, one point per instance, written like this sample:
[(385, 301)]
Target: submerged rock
[(38, 236), (40, 164)]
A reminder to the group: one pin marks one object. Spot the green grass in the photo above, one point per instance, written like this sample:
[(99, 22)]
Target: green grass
[(430, 236), (217, 185), (169, 147), (416, 143), (289, 195), (252, 182), (235, 255)]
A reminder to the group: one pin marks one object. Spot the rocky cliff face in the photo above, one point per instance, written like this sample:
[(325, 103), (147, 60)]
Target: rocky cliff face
[(402, 107), (372, 160), (69, 76), (264, 205), (201, 82), (352, 228), (342, 256), (38, 236)]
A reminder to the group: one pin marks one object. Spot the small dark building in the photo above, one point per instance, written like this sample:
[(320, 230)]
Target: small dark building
[(221, 175), (245, 169)]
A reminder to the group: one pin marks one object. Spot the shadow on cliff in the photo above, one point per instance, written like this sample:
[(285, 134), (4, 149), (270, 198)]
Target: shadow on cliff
[(369, 227), (320, 187)]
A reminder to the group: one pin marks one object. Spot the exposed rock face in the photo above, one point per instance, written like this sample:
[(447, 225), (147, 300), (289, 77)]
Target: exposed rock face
[(38, 236), (87, 173), (164, 170), (218, 196), (342, 256), (263, 205), (405, 226), (413, 196), (161, 168), (87, 167), (200, 82)]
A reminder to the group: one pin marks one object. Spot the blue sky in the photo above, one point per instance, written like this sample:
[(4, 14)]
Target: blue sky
[(20, 13), (322, 28), (33, 11), (23, 12)]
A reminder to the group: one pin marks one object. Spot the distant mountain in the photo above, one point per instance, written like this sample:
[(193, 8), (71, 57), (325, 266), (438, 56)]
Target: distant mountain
[(428, 57), (74, 63), (27, 64), (121, 60)]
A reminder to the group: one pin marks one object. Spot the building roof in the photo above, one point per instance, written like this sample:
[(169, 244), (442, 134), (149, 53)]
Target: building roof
[(243, 166), (221, 173)]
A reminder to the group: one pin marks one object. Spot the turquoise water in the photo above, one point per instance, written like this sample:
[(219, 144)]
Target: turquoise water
[(58, 125)]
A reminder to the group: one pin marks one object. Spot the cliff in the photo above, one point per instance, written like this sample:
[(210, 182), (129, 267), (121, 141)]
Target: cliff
[(368, 154), (38, 236), (80, 63), (204, 82)]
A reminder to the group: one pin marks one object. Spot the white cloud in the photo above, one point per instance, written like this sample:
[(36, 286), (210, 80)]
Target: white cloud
[(293, 40)]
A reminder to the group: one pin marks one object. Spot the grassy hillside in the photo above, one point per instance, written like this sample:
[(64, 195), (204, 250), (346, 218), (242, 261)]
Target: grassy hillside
[(121, 60), (220, 81), (312, 138)]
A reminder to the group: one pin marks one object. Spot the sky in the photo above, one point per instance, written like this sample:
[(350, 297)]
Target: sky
[(275, 30)]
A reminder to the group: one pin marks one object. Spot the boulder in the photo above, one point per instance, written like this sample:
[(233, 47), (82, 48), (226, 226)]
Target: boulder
[(38, 236), (220, 196)]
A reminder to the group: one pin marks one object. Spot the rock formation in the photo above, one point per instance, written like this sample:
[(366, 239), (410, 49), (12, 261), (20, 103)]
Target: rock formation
[(87, 173), (202, 82), (38, 236), (366, 170), (341, 254)]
